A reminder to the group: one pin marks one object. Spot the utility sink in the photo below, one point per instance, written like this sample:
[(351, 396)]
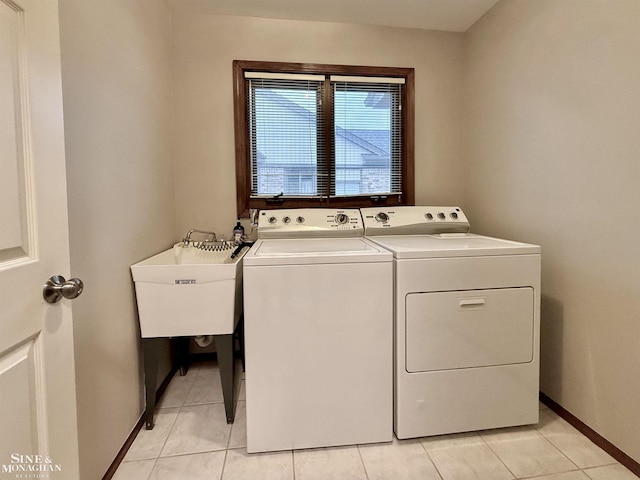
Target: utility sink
[(185, 291)]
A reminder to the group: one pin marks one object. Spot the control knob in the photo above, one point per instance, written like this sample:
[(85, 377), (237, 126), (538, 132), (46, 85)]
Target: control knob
[(382, 217), (272, 220), (454, 215), (342, 218), (286, 219), (441, 216)]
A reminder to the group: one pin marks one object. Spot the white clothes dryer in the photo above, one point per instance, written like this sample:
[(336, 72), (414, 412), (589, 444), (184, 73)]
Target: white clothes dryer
[(318, 332), (467, 322)]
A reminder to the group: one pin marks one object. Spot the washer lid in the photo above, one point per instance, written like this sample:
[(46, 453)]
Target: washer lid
[(451, 245), (289, 251)]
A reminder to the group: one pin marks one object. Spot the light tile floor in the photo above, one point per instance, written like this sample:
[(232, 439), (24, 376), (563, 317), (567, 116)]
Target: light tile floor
[(191, 440)]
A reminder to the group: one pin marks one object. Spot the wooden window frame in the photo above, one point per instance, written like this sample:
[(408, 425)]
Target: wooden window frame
[(242, 150)]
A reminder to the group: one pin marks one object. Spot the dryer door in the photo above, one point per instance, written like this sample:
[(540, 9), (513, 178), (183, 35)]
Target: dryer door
[(467, 329)]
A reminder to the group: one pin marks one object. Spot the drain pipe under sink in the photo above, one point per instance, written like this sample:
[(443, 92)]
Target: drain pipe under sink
[(204, 340)]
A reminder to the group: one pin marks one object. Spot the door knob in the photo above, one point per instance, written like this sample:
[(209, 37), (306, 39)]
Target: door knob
[(57, 287)]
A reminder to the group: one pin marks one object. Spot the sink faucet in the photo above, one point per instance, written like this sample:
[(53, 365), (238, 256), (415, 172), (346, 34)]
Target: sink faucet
[(187, 238), (253, 216)]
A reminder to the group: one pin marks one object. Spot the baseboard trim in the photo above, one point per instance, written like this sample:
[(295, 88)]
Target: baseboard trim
[(592, 435), (111, 471)]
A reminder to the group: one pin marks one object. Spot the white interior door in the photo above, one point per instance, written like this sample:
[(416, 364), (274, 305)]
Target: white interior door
[(37, 381)]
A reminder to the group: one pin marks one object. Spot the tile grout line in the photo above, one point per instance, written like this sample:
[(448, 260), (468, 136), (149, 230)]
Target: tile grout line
[(176, 419), (293, 465), (155, 462), (177, 373), (168, 434), (226, 452), (559, 450), (186, 454), (547, 475), (497, 456), (224, 462), (577, 434), (366, 474), (196, 371), (431, 460), (533, 428)]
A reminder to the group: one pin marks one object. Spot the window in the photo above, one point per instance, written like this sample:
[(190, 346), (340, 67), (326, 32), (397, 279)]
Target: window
[(322, 135)]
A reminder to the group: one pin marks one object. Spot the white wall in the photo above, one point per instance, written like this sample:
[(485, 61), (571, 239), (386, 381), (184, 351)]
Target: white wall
[(552, 157), (117, 107), (204, 47)]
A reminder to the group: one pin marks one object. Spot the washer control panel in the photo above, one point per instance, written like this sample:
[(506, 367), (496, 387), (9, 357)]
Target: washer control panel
[(310, 223), (412, 220)]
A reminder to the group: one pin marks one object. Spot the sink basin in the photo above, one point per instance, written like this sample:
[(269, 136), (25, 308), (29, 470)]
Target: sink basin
[(185, 291)]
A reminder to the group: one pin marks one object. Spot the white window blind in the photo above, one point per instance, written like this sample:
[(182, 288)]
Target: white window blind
[(286, 135), (302, 144), (368, 136)]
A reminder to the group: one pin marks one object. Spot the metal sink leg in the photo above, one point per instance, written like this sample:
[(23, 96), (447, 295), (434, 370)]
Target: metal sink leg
[(224, 348), (150, 353)]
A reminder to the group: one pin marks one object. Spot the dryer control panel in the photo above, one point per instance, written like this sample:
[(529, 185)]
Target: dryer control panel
[(310, 223), (414, 220)]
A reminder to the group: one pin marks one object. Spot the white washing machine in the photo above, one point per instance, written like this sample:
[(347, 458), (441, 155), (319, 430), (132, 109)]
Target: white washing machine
[(318, 332), (467, 322)]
